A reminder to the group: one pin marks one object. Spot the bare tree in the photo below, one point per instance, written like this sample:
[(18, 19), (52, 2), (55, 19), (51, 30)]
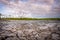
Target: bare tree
[(0, 15)]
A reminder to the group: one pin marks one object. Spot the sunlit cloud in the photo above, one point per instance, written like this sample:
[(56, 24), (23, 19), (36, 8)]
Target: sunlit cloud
[(29, 8)]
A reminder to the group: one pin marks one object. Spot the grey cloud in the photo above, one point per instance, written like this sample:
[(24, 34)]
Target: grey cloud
[(31, 7)]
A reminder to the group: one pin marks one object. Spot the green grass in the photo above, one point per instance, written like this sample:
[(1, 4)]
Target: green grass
[(30, 18)]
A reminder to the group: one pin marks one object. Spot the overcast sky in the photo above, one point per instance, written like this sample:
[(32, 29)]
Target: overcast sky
[(31, 8)]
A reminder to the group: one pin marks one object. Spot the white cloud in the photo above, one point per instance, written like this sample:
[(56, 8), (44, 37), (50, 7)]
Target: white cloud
[(28, 9)]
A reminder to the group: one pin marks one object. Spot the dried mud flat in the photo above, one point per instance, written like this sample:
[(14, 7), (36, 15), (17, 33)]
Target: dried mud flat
[(30, 30)]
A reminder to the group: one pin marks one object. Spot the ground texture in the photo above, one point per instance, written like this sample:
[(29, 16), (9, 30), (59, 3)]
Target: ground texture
[(30, 30)]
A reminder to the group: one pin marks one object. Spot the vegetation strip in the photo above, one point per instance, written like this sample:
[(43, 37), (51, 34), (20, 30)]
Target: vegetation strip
[(30, 18)]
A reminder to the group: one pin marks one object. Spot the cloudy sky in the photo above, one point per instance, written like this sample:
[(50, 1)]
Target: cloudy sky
[(30, 8)]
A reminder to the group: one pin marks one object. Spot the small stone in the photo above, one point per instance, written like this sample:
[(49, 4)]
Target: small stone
[(55, 36)]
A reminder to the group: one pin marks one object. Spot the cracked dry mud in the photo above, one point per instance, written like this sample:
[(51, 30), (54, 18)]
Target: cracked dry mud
[(30, 30)]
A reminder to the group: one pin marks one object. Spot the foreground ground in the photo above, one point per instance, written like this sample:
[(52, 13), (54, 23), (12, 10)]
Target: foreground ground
[(30, 30)]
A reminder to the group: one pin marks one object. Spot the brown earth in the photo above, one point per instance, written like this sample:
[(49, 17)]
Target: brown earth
[(30, 30)]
